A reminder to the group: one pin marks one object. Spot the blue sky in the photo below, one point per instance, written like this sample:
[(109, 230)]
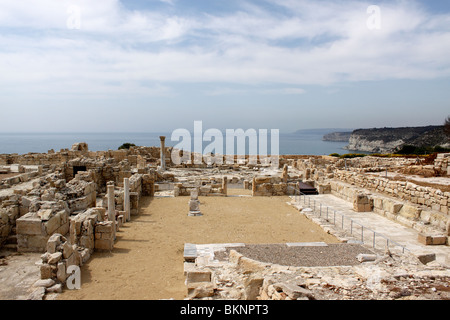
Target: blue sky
[(158, 65)]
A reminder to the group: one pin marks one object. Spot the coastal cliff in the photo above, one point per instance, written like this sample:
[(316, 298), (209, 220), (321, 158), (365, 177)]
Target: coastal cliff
[(337, 137), (386, 140)]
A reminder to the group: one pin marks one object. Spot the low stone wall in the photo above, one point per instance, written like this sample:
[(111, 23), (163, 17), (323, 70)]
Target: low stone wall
[(211, 187), (88, 232), (409, 214), (430, 197), (268, 186), (24, 177), (35, 228), (442, 163), (8, 218)]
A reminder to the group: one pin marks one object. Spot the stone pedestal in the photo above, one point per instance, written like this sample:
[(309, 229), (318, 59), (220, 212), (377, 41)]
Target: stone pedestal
[(194, 205)]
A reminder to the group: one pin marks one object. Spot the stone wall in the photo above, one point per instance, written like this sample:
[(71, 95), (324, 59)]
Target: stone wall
[(409, 214), (185, 189), (134, 155), (423, 208), (442, 163), (268, 186), (8, 216), (35, 228), (432, 198), (88, 233), (26, 174)]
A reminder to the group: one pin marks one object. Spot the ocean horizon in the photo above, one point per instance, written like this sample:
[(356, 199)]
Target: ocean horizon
[(307, 142)]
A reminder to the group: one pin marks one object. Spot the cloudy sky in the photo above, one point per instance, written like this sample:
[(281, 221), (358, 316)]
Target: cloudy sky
[(158, 65)]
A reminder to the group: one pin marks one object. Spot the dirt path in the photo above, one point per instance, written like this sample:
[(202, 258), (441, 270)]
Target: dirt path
[(147, 259)]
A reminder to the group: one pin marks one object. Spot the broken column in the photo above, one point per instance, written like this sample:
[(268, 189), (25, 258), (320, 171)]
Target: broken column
[(284, 176), (126, 199), (163, 152), (225, 185), (194, 204), (111, 207)]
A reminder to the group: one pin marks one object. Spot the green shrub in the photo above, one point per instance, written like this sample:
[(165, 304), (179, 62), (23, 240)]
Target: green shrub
[(127, 146), (413, 150), (353, 155)]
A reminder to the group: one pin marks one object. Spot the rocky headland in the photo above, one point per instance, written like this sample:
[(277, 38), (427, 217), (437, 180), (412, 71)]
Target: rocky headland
[(387, 140), (337, 137)]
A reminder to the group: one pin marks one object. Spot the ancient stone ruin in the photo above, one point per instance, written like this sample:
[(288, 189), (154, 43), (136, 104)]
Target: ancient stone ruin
[(68, 204)]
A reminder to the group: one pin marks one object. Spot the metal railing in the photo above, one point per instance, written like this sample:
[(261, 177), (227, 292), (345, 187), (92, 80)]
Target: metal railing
[(360, 232)]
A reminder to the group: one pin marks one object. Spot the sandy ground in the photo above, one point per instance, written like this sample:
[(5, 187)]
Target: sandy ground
[(147, 260)]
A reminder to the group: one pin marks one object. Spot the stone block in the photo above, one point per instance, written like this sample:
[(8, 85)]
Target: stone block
[(74, 259), (61, 274), (29, 224), (56, 288), (200, 290), (438, 240), (104, 227), (392, 206), (424, 239), (252, 288), (54, 258), (293, 291), (52, 224), (87, 241), (426, 257), (46, 271), (45, 283), (410, 212), (198, 275), (103, 244)]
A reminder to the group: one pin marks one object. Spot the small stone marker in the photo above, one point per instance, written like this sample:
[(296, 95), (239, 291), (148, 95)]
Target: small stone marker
[(194, 204)]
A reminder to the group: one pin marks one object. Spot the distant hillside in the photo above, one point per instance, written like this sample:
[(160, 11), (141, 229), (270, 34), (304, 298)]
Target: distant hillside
[(322, 132), (385, 140), (337, 136)]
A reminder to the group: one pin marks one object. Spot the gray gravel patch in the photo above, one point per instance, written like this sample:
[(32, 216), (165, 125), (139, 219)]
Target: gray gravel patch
[(313, 256)]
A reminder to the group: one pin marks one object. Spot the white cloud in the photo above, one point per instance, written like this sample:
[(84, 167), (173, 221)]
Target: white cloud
[(171, 2), (309, 43)]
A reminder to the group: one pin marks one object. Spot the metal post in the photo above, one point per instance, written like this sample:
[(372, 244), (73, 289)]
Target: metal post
[(362, 234), (374, 240), (351, 226)]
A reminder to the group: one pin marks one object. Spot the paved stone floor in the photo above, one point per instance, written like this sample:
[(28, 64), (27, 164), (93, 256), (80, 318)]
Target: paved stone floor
[(393, 230), (18, 272)]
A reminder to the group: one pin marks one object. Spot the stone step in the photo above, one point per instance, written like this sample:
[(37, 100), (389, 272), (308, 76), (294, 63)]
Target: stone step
[(12, 239), (10, 247)]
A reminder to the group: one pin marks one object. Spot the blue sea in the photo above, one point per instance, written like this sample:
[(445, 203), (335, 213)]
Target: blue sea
[(300, 143)]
